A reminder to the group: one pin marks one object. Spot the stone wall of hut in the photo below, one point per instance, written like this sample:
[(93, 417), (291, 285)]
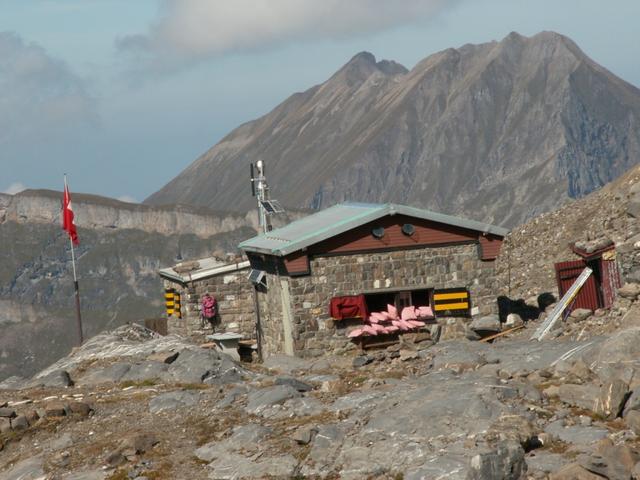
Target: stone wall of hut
[(316, 333), (235, 298)]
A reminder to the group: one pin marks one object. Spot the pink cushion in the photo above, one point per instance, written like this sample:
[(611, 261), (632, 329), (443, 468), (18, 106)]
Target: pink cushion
[(378, 328), (404, 326), (355, 333), (369, 330), (425, 312), (410, 324), (372, 320), (408, 313), (378, 316), (392, 328), (415, 323), (393, 311)]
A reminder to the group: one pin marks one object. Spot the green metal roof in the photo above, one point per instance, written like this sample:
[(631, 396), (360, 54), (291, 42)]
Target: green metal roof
[(341, 218)]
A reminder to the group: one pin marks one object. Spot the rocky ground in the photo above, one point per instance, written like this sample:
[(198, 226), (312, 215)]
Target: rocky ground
[(526, 262), (131, 404)]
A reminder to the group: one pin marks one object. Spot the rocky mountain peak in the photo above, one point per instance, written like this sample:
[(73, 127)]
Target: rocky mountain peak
[(525, 123), (362, 58), (391, 68), (361, 66)]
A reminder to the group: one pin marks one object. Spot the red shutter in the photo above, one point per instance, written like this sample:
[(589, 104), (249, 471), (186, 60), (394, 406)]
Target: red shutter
[(567, 273)]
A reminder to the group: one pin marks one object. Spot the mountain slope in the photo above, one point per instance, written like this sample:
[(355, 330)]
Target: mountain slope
[(121, 248), (497, 132)]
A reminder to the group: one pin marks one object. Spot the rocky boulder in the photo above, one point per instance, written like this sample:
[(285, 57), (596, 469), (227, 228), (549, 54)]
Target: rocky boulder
[(259, 400), (173, 401), (580, 314), (486, 325), (630, 291), (513, 320), (505, 462), (57, 378)]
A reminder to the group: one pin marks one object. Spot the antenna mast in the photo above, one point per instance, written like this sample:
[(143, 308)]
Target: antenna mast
[(260, 190)]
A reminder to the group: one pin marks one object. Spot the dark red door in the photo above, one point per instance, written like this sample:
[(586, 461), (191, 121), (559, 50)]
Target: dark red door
[(567, 273)]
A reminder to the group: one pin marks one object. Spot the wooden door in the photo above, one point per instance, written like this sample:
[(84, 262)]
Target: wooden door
[(567, 273)]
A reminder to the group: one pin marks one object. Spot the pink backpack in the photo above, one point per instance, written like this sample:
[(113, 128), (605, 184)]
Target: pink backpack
[(209, 307)]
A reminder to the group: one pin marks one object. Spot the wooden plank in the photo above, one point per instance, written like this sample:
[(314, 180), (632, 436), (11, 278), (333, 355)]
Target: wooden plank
[(387, 343), (556, 313), (501, 334)]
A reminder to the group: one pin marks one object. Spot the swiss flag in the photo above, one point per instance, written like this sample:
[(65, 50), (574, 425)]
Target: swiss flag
[(67, 216)]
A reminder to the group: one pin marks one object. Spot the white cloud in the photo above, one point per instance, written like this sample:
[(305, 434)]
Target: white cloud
[(39, 95), (14, 188), (189, 31), (127, 198)]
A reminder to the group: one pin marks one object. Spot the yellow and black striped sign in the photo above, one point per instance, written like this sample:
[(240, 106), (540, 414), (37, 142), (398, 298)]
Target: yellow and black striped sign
[(452, 302), (172, 302)]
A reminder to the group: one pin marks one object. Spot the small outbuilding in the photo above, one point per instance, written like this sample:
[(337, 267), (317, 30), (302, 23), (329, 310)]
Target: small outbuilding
[(186, 283), (599, 291), (319, 276)]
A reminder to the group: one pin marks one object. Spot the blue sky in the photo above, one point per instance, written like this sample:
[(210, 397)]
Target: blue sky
[(122, 95)]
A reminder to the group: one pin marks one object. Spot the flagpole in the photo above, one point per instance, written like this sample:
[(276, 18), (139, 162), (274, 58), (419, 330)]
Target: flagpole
[(77, 288), (75, 281)]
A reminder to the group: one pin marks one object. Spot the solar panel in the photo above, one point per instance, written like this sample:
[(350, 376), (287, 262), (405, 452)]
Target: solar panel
[(276, 206), (268, 207), (272, 206), (256, 276)]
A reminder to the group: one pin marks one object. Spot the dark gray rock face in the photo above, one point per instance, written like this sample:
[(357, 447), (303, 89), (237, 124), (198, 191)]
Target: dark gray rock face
[(488, 324), (144, 371), (506, 462), (173, 401), (30, 469), (244, 437), (118, 285), (618, 353), (295, 383), (234, 466), (583, 396), (111, 373), (259, 400), (209, 366), (58, 378), (532, 121)]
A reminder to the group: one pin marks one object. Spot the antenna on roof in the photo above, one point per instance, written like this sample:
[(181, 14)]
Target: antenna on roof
[(260, 190)]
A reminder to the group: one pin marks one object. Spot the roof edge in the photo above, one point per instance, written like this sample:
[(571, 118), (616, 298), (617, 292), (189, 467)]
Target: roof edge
[(372, 212), (211, 272)]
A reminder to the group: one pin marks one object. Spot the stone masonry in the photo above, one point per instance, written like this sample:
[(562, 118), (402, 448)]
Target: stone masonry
[(315, 332), (234, 293)]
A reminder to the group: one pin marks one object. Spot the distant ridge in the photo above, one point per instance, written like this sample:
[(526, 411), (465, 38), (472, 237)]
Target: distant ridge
[(497, 132)]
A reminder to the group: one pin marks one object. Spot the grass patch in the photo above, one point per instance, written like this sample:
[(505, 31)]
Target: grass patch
[(359, 380), (148, 382), (193, 386), (119, 475), (577, 411), (556, 446), (49, 424), (209, 428), (162, 472), (396, 374)]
